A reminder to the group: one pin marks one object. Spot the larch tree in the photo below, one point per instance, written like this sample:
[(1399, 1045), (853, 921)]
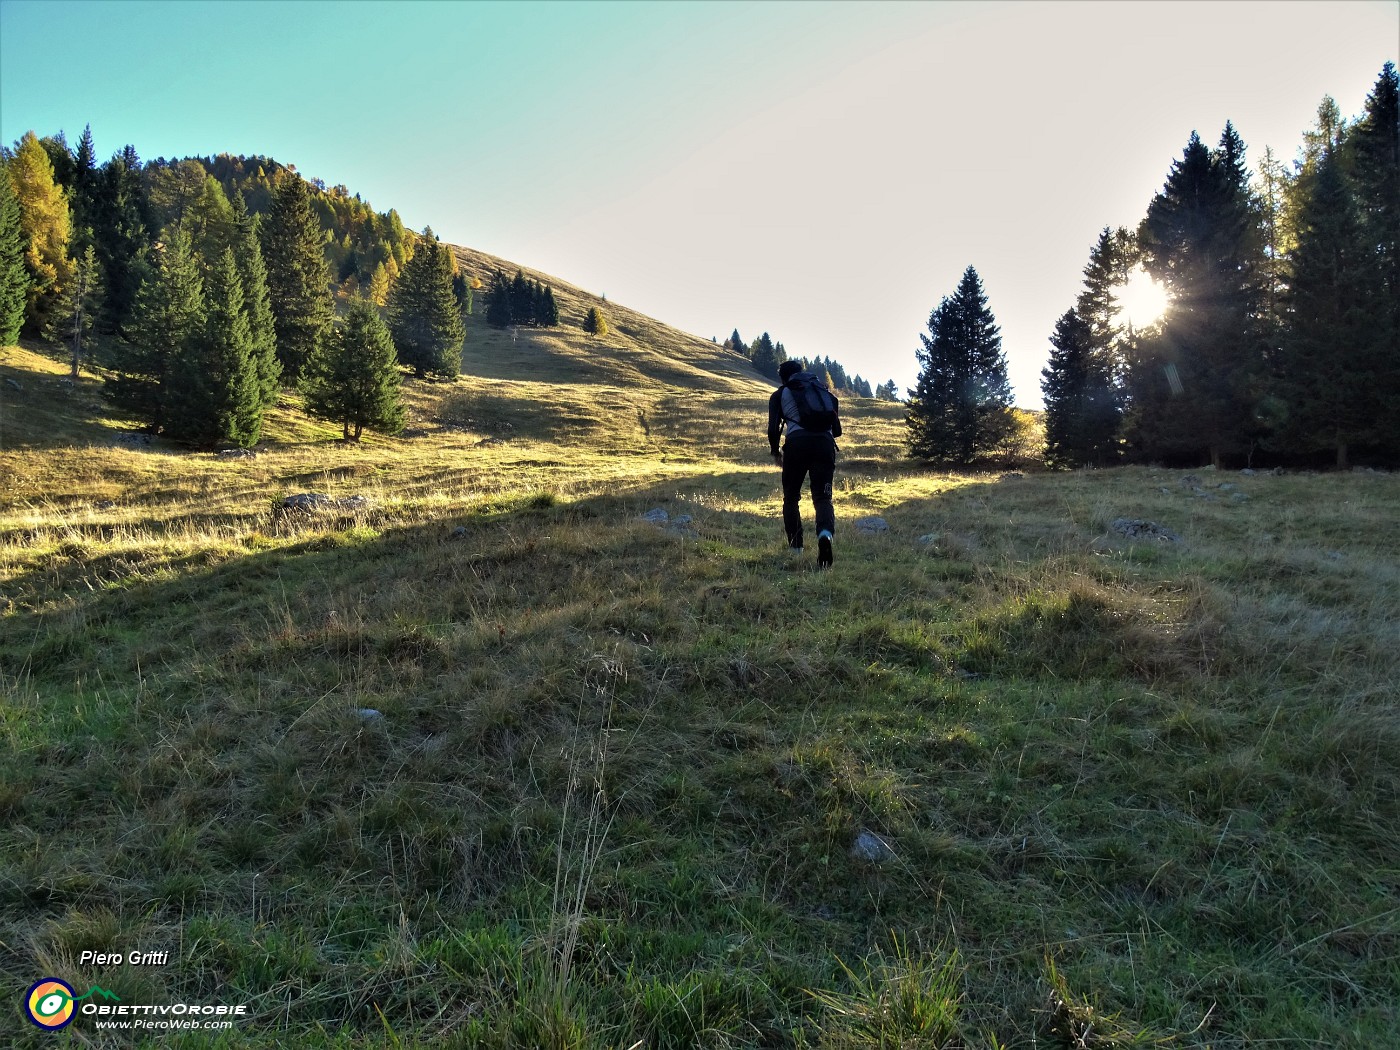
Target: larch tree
[(44, 220), (595, 322)]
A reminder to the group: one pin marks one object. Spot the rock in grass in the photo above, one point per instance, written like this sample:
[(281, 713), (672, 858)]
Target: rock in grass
[(312, 502), (871, 848), (370, 715), (871, 525), (657, 516), (1141, 529)]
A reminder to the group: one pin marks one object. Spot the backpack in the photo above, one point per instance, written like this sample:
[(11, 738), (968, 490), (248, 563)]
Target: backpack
[(816, 405)]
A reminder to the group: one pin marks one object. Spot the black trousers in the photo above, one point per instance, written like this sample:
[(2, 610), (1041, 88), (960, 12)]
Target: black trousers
[(808, 454)]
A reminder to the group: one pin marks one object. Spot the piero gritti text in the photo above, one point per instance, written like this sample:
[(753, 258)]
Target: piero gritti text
[(131, 958)]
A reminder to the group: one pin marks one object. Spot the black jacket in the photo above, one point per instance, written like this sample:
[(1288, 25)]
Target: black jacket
[(782, 414)]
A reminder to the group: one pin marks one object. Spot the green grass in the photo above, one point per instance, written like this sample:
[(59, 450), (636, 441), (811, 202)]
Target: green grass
[(1138, 795)]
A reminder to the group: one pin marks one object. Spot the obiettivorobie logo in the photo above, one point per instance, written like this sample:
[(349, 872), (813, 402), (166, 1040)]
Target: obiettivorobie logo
[(50, 1002)]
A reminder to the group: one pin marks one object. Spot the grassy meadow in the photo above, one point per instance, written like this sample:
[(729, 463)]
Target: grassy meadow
[(488, 760)]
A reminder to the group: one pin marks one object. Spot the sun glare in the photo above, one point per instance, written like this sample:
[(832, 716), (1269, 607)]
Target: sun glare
[(1142, 301)]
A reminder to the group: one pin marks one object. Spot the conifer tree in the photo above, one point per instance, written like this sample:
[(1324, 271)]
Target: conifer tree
[(83, 196), (168, 317), (549, 309), (213, 395), (594, 322), (298, 279), (81, 301), (423, 316), (354, 379), (1334, 360), (1081, 413), (122, 237), (961, 407), (764, 355), (44, 219), (1374, 147), (1194, 387), (257, 305), (14, 278), (379, 286), (498, 310)]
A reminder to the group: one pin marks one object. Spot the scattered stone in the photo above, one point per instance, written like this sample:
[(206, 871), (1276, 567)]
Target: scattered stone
[(1226, 486), (313, 502), (680, 520), (871, 525), (871, 848), (825, 912), (1277, 472), (370, 715), (1239, 497), (132, 437), (1336, 555), (104, 504), (459, 533), (1191, 481), (14, 384), (237, 453), (929, 538), (1011, 476), (1249, 472), (657, 516), (1141, 529)]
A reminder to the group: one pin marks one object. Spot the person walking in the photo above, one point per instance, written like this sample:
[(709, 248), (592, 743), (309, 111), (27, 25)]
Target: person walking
[(809, 413)]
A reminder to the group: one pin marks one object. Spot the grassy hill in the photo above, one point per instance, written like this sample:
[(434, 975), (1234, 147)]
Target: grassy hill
[(485, 759)]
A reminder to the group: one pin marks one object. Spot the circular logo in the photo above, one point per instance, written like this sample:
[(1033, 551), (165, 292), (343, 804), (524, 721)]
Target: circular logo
[(50, 1003)]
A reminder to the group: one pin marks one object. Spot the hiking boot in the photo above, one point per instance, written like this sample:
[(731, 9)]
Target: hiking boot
[(824, 550)]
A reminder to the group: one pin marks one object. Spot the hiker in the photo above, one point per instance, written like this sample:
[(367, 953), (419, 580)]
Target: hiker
[(809, 413)]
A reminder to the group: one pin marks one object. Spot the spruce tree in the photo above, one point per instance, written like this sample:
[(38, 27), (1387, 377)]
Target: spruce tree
[(498, 312), (1194, 387), (1081, 412), (14, 278), (423, 316), (168, 317), (298, 279), (262, 330), (213, 394), (123, 238), (1334, 361), (961, 407), (764, 356), (549, 309), (354, 379)]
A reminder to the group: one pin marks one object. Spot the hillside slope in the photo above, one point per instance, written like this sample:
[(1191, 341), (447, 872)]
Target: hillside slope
[(474, 755)]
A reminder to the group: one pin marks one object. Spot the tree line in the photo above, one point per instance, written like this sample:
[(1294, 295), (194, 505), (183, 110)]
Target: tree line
[(206, 308), (1281, 333), (766, 356)]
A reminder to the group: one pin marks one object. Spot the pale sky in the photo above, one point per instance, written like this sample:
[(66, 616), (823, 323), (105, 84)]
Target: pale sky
[(823, 172)]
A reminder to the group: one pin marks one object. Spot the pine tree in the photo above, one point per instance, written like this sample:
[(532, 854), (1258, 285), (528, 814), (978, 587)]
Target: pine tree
[(257, 305), (549, 310), (212, 394), (1374, 146), (423, 316), (498, 311), (44, 219), (298, 279), (594, 322), (1333, 360), (354, 380), (961, 407), (83, 195), (14, 278), (168, 317), (736, 343)]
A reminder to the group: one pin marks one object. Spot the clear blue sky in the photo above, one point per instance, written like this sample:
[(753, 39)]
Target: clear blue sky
[(824, 172)]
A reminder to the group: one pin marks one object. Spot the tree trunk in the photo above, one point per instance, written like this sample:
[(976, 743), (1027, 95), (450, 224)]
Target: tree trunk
[(1341, 454)]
